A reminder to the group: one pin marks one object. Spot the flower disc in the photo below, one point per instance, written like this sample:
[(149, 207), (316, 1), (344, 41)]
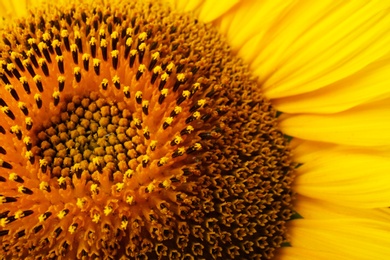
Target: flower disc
[(130, 131)]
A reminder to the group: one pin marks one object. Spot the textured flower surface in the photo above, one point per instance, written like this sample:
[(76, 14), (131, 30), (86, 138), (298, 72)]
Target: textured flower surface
[(146, 129)]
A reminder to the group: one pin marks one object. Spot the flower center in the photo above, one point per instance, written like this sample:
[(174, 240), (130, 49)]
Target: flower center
[(131, 131)]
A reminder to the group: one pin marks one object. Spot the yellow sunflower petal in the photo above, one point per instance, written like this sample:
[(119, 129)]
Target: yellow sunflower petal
[(366, 125), (350, 177), (295, 253), (311, 208), (14, 8), (370, 83), (209, 10), (349, 238), (306, 45), (212, 10), (186, 6)]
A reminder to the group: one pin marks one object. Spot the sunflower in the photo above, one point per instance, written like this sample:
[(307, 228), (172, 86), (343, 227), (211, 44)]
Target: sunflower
[(194, 130)]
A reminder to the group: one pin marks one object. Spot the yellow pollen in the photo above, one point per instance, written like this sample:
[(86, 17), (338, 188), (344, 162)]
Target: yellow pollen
[(96, 218), (23, 79), (107, 210), (2, 199), (133, 52), (163, 160), (164, 76), (114, 53), (13, 176), (61, 180), (167, 183), (181, 150), (150, 187), (41, 218), (153, 144), (43, 162), (5, 109), (42, 45), (103, 43), (86, 56), (170, 66), (61, 214), (76, 70), (59, 58), (119, 186), (15, 129), (37, 97), (37, 78), (41, 61), (31, 41), (80, 202), (145, 159), (142, 68), (19, 214), (201, 102), (64, 33), (56, 43), (21, 105), (157, 70), (181, 77), (126, 89), (21, 189), (94, 188), (164, 92), (96, 62), (124, 224), (73, 47), (43, 185), (29, 155), (142, 46), (142, 36), (168, 120), (114, 35), (115, 79), (177, 110), (145, 103), (56, 94), (178, 139), (196, 115), (72, 229), (197, 146), (156, 55), (28, 121), (3, 222), (129, 41), (61, 79), (9, 87), (129, 173), (130, 200), (186, 93), (92, 41)]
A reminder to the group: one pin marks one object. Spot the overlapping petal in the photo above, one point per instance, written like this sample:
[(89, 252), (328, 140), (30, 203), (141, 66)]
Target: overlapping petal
[(365, 125), (295, 51), (353, 238)]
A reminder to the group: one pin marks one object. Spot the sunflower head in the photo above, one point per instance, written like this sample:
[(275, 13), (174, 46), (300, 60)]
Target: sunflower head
[(131, 131)]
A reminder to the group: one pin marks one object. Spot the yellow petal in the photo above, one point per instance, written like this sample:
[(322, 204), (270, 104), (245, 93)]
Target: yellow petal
[(186, 6), (297, 253), (297, 47), (310, 208), (366, 85), (212, 9), (350, 177), (367, 125), (348, 238)]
